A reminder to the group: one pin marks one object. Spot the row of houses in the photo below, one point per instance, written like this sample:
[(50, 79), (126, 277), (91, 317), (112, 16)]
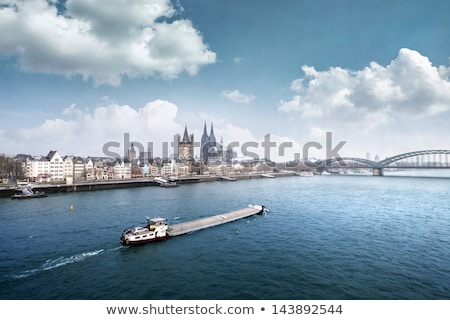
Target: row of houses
[(55, 168)]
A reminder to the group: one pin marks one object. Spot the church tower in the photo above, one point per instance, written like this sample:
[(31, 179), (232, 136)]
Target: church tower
[(131, 153), (186, 146)]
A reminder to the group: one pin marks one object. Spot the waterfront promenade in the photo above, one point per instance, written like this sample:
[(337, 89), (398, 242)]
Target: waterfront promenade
[(7, 191)]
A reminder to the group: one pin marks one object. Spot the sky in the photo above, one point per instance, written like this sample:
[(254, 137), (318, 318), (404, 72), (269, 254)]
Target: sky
[(78, 75)]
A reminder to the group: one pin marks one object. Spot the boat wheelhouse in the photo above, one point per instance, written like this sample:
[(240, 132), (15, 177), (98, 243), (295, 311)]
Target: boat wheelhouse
[(155, 230)]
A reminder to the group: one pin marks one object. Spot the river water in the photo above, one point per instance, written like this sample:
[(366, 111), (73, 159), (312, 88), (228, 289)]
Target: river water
[(324, 237)]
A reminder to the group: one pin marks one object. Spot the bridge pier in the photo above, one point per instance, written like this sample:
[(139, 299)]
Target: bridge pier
[(378, 172)]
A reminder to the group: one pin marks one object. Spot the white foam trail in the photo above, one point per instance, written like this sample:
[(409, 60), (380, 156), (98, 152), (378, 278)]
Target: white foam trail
[(62, 261), (59, 262), (117, 248)]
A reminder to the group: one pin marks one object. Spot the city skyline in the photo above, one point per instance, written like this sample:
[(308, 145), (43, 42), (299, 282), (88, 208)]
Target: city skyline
[(76, 76)]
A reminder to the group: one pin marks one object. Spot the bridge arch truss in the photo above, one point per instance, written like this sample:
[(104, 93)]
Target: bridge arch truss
[(386, 162), (352, 162), (337, 162)]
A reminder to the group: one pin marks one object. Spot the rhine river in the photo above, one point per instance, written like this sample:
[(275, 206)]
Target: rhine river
[(325, 237)]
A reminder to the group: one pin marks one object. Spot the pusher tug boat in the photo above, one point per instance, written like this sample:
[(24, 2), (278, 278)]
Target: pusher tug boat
[(155, 230)]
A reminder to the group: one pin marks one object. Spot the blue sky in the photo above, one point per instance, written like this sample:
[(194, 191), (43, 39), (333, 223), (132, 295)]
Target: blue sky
[(75, 75)]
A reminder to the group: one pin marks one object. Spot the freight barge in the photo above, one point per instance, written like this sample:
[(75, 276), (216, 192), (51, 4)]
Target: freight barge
[(157, 229)]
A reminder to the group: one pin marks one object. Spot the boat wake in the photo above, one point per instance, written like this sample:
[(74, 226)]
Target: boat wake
[(58, 262)]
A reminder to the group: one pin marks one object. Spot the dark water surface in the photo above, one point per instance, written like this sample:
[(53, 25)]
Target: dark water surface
[(325, 237)]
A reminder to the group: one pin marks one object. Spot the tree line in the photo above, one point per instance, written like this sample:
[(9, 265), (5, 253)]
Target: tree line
[(10, 168)]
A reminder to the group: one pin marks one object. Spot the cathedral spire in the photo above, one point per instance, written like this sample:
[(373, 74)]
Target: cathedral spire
[(204, 143), (212, 137), (185, 135), (204, 130)]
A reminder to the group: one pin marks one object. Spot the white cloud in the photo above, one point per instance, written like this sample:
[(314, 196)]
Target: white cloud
[(271, 146), (384, 110), (237, 97), (72, 110), (316, 133), (284, 149), (9, 145), (95, 39), (410, 86), (233, 134), (86, 132)]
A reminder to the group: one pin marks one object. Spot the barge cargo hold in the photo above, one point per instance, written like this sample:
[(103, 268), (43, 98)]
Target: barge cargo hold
[(203, 223)]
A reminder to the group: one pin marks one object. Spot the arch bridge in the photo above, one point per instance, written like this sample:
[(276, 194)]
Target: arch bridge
[(409, 160)]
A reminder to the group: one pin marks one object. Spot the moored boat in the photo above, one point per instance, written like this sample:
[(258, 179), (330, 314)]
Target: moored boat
[(172, 184), (27, 193), (304, 174), (155, 230)]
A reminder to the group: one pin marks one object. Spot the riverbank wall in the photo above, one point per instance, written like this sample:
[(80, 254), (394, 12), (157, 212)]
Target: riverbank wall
[(7, 191)]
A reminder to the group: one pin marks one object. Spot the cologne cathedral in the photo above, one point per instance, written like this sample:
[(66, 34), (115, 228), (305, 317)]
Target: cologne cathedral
[(211, 151)]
